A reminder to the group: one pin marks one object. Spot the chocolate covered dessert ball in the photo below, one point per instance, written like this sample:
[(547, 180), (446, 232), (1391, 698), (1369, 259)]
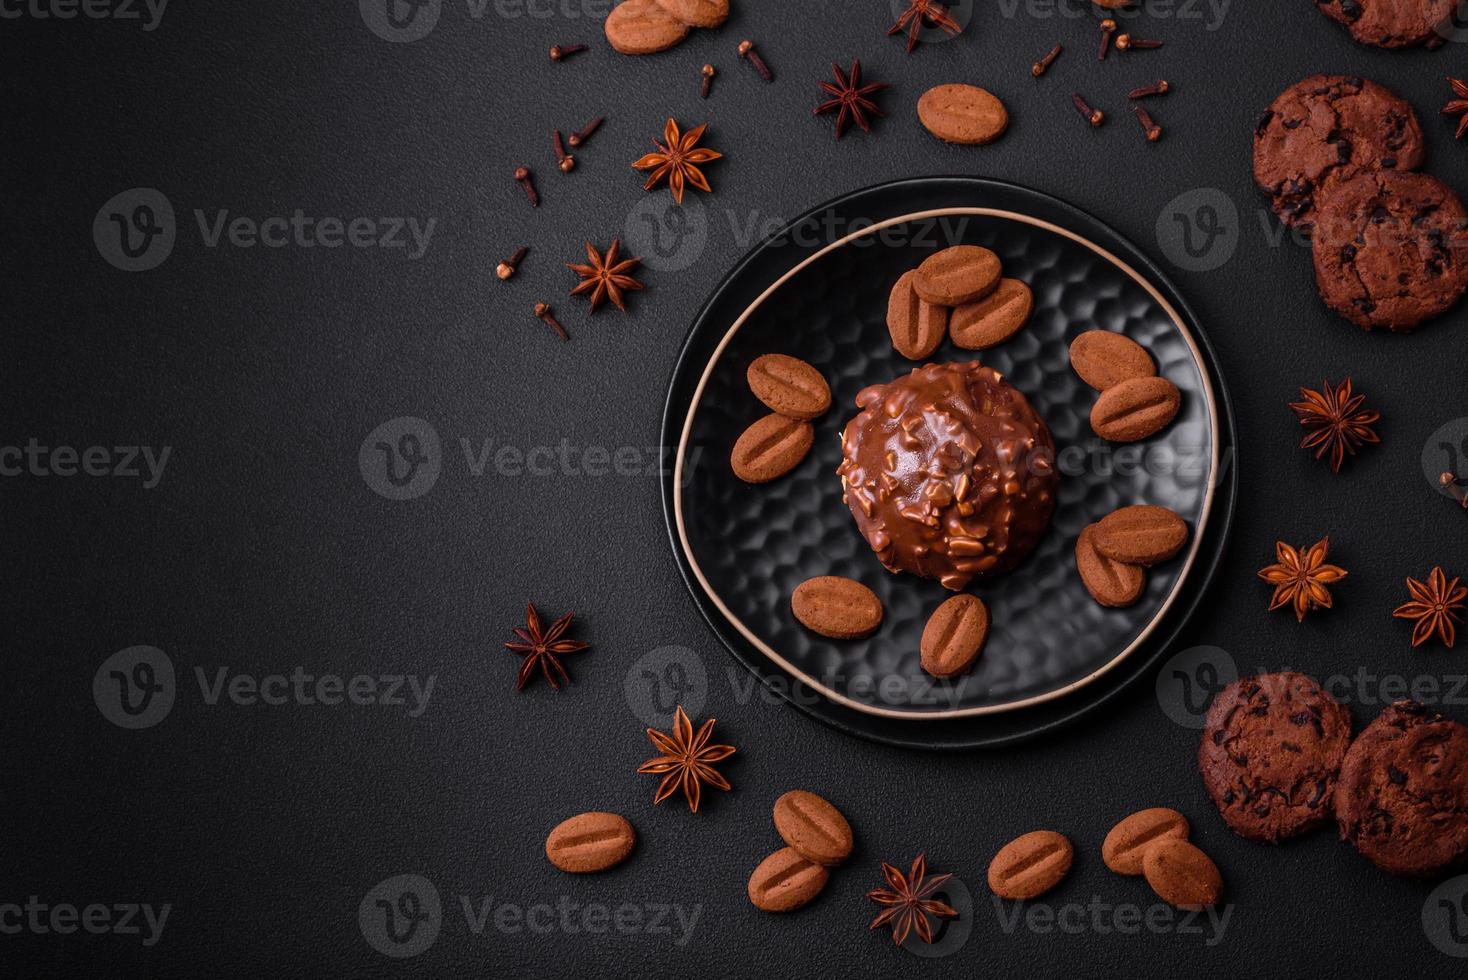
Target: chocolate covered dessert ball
[(949, 473)]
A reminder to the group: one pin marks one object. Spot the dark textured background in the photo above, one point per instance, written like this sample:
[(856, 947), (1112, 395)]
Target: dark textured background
[(262, 548)]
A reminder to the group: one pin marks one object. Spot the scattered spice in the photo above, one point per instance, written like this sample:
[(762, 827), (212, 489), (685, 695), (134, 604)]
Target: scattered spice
[(522, 174), (1454, 487), (561, 52), (584, 133), (509, 266), (544, 648), (687, 761), (1040, 67), (564, 161), (1158, 88), (1335, 422), (543, 313), (918, 15), (1149, 125), (850, 96), (605, 278), (749, 54), (1459, 106), (1435, 607), (1108, 28), (708, 81), (909, 902), (1300, 580), (1125, 42), (1093, 116), (677, 161)]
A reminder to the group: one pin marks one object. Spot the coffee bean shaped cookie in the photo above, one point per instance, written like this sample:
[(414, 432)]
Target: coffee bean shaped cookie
[(1143, 534), (643, 27), (813, 827), (1104, 359), (1113, 584), (697, 13), (964, 114), (917, 327), (840, 608), (957, 275), (954, 636), (770, 448), (994, 319), (1135, 409), (789, 386)]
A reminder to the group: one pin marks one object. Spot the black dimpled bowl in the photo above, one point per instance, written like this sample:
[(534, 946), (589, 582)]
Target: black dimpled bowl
[(819, 292)]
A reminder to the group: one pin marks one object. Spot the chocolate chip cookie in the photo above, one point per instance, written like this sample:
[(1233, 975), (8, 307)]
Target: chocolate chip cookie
[(1326, 129), (1393, 23), (1390, 248), (1272, 747), (1402, 797)]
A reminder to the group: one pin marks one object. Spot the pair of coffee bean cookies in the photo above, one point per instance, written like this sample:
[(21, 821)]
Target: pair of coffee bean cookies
[(1337, 156), (1394, 23), (650, 26), (1278, 761)]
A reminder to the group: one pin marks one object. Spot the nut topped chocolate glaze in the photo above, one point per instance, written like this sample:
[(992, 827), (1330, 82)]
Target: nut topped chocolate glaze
[(949, 473)]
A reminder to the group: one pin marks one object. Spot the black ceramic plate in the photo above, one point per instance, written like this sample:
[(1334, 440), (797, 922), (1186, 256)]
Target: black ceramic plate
[(819, 292)]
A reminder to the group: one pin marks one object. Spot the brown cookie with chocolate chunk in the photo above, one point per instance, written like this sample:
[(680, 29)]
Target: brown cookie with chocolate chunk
[(1390, 249), (1326, 129), (1272, 748), (1393, 23), (1402, 797)]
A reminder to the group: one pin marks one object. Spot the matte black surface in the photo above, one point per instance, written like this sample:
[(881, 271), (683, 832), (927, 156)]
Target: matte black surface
[(755, 543), (262, 548)]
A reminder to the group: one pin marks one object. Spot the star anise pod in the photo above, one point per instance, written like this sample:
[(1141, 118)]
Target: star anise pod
[(544, 647), (1300, 580), (849, 96), (1335, 422), (687, 761), (917, 15), (1459, 106), (908, 902), (677, 161), (1435, 607), (605, 278)]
